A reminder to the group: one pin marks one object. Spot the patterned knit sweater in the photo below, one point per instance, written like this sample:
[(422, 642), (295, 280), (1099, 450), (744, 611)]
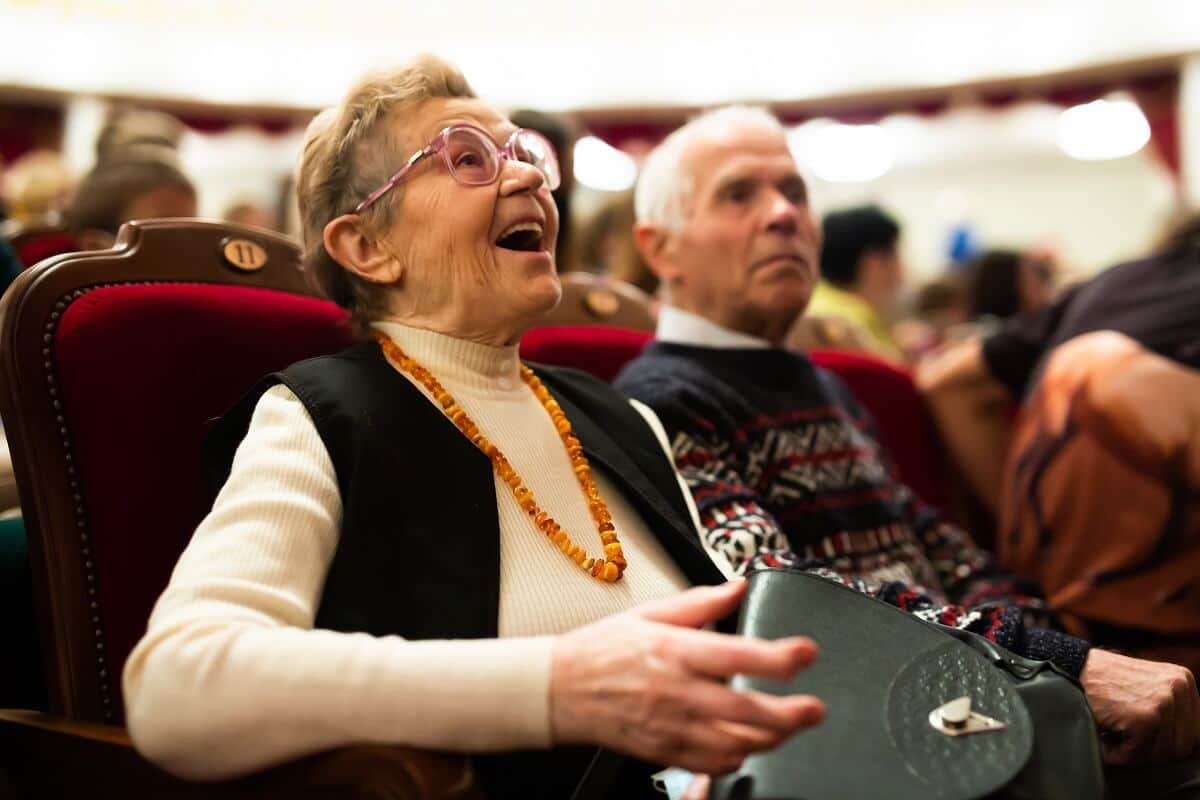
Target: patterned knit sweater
[(787, 472)]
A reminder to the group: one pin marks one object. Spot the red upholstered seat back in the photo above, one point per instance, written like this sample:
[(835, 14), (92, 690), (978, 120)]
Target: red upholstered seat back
[(34, 249), (886, 391), (598, 349), (143, 370)]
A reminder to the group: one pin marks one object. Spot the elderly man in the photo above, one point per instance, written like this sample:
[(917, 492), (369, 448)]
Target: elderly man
[(779, 456)]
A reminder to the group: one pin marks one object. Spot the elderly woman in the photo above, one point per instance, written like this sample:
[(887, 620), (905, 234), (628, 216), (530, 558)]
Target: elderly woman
[(420, 540)]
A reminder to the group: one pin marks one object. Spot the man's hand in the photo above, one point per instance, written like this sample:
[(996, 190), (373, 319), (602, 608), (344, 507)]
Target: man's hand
[(1148, 712)]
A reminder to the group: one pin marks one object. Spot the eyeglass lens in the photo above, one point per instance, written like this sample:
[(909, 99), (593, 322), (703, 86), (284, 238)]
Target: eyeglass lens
[(474, 160)]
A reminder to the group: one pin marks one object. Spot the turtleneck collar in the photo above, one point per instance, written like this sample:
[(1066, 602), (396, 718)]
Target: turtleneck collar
[(458, 362)]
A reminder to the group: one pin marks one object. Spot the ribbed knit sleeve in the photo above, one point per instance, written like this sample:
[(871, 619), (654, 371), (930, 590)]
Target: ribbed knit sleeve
[(231, 677)]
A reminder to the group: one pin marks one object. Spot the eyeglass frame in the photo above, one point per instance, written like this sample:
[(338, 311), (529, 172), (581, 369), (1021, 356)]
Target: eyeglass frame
[(438, 146)]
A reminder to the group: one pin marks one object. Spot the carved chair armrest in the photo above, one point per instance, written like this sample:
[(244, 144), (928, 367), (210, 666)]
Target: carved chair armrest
[(48, 756)]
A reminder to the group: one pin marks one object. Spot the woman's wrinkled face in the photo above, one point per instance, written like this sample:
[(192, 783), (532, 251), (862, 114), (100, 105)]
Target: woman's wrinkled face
[(479, 259)]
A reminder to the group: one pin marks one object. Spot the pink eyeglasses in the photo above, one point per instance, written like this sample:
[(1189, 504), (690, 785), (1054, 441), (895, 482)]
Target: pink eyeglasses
[(474, 160)]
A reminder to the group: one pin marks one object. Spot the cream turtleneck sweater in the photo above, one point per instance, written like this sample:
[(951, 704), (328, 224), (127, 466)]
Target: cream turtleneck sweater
[(231, 677)]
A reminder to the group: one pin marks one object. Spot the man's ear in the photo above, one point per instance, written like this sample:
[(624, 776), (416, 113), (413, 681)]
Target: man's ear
[(656, 246), (348, 243)]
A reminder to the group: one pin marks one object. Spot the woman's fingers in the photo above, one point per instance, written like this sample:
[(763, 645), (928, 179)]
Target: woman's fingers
[(718, 655), (696, 607), (648, 684), (783, 715), (698, 789), (715, 746)]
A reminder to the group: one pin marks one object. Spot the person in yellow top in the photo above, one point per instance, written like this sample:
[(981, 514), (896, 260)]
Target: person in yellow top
[(861, 274)]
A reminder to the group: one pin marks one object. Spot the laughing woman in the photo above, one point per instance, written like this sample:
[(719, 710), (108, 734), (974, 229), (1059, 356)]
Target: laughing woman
[(420, 540)]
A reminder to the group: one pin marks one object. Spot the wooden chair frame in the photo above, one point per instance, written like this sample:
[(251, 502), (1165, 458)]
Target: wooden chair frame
[(76, 748)]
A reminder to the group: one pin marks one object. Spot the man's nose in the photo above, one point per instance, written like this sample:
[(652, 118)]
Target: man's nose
[(783, 216)]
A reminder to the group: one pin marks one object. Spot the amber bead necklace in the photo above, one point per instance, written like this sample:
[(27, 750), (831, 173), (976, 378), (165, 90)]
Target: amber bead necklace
[(608, 569)]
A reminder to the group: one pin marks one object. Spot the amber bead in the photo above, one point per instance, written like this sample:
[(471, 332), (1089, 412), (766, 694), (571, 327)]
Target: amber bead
[(608, 571)]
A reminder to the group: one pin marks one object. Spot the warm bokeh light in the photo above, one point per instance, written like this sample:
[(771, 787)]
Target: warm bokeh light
[(1103, 129), (843, 153), (599, 165)]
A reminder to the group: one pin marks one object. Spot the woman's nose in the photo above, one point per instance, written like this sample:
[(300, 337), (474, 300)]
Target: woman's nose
[(517, 176)]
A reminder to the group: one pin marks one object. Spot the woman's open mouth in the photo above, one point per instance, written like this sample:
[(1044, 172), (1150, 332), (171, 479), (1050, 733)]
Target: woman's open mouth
[(523, 237)]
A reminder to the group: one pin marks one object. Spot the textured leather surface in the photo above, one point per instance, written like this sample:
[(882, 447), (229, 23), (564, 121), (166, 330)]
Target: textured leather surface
[(957, 766), (875, 664)]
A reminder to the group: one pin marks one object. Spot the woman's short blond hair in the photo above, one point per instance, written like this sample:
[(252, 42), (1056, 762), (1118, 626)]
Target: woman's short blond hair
[(348, 153)]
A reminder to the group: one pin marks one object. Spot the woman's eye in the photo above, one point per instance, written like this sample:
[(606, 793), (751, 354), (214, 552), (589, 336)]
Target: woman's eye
[(468, 160)]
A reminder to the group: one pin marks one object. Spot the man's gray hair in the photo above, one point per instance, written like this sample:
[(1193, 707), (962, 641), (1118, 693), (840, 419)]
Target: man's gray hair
[(662, 187)]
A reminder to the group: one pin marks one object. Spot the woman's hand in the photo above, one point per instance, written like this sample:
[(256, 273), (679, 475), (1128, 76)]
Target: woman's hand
[(648, 684), (698, 789)]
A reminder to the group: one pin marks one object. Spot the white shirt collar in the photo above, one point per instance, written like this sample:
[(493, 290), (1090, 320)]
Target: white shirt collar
[(683, 327)]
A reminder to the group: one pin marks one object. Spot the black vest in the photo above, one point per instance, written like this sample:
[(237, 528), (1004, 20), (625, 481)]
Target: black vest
[(419, 549)]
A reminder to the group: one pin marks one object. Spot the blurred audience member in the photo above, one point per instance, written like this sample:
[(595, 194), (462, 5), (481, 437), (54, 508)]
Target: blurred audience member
[(247, 212), (606, 245), (37, 186), (139, 134), (562, 132), (1099, 497), (1004, 283), (861, 273), (115, 192)]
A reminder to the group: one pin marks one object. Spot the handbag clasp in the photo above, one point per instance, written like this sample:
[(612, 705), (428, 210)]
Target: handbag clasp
[(956, 718)]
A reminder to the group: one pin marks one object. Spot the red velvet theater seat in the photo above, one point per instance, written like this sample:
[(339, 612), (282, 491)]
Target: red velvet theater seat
[(38, 248), (886, 391), (597, 349), (113, 366), (34, 241), (194, 349)]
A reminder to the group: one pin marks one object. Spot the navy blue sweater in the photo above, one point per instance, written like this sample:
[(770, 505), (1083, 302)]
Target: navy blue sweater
[(787, 472)]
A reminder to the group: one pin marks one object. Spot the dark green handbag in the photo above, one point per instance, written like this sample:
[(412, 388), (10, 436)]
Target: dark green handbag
[(885, 676)]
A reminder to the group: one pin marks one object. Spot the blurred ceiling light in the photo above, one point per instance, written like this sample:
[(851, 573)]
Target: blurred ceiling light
[(1103, 129), (843, 153), (599, 165)]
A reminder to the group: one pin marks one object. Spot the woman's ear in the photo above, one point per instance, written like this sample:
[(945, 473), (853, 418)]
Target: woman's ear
[(349, 244)]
